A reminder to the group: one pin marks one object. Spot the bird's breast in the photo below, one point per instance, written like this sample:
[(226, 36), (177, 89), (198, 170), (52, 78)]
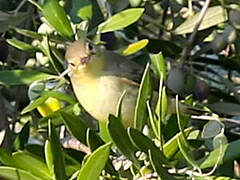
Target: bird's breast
[(99, 96)]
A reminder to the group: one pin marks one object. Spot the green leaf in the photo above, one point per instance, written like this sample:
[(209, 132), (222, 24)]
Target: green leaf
[(185, 150), (121, 20), (145, 144), (219, 140), (81, 9), (46, 49), (211, 129), (22, 137), (93, 140), (135, 47), (35, 149), (22, 45), (60, 96), (229, 151), (159, 65), (95, 163), (75, 125), (22, 77), (34, 104), (145, 93), (49, 157), (6, 158), (56, 153), (214, 16), (16, 174), (162, 104), (71, 164), (171, 147), (226, 108), (135, 3), (103, 131), (28, 33), (45, 95), (8, 20), (32, 163), (56, 16), (157, 165), (121, 139)]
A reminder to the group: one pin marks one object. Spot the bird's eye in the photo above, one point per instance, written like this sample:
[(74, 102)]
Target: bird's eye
[(90, 46), (71, 64)]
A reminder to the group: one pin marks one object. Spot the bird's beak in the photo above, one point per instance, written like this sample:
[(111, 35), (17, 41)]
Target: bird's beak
[(67, 71)]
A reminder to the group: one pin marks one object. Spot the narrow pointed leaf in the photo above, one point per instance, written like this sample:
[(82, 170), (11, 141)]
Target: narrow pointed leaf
[(75, 125), (214, 16), (6, 158), (157, 165), (159, 65), (16, 174), (56, 16), (171, 146), (144, 94), (118, 21), (95, 163), (230, 152), (185, 150), (121, 139), (31, 163), (57, 154), (135, 47), (145, 144), (22, 77), (22, 45)]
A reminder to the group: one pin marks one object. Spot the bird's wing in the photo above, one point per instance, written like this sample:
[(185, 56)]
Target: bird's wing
[(118, 65)]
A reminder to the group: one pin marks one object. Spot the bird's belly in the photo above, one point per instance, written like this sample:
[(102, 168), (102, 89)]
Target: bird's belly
[(100, 98)]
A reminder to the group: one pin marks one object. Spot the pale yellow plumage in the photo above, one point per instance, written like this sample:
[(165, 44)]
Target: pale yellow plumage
[(99, 77)]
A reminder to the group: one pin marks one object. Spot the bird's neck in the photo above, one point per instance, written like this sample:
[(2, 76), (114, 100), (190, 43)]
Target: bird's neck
[(92, 71)]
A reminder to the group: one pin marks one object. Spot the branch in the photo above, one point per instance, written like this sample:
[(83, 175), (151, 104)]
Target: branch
[(73, 143), (191, 40)]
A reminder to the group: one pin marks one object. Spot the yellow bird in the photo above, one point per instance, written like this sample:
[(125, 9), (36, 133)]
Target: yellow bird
[(99, 77)]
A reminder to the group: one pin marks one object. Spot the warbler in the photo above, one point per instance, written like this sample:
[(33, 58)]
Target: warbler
[(99, 77)]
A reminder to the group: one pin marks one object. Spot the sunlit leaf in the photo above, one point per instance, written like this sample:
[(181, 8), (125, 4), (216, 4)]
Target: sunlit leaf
[(121, 20), (21, 77), (214, 16), (56, 16), (16, 174), (95, 163), (135, 47), (22, 45), (26, 160)]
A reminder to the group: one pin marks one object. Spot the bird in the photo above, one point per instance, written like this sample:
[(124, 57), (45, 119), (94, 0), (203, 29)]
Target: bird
[(99, 77)]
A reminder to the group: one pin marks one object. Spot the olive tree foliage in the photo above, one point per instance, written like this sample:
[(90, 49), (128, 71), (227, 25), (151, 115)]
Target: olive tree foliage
[(191, 53)]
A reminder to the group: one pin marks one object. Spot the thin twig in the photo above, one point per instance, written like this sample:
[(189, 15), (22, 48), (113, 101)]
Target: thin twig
[(191, 40), (212, 118), (19, 6), (73, 143)]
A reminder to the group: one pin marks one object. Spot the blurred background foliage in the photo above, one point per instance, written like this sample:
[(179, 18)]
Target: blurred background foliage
[(194, 51)]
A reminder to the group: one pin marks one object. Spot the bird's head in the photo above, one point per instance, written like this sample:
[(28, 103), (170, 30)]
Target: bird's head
[(84, 57), (78, 54)]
